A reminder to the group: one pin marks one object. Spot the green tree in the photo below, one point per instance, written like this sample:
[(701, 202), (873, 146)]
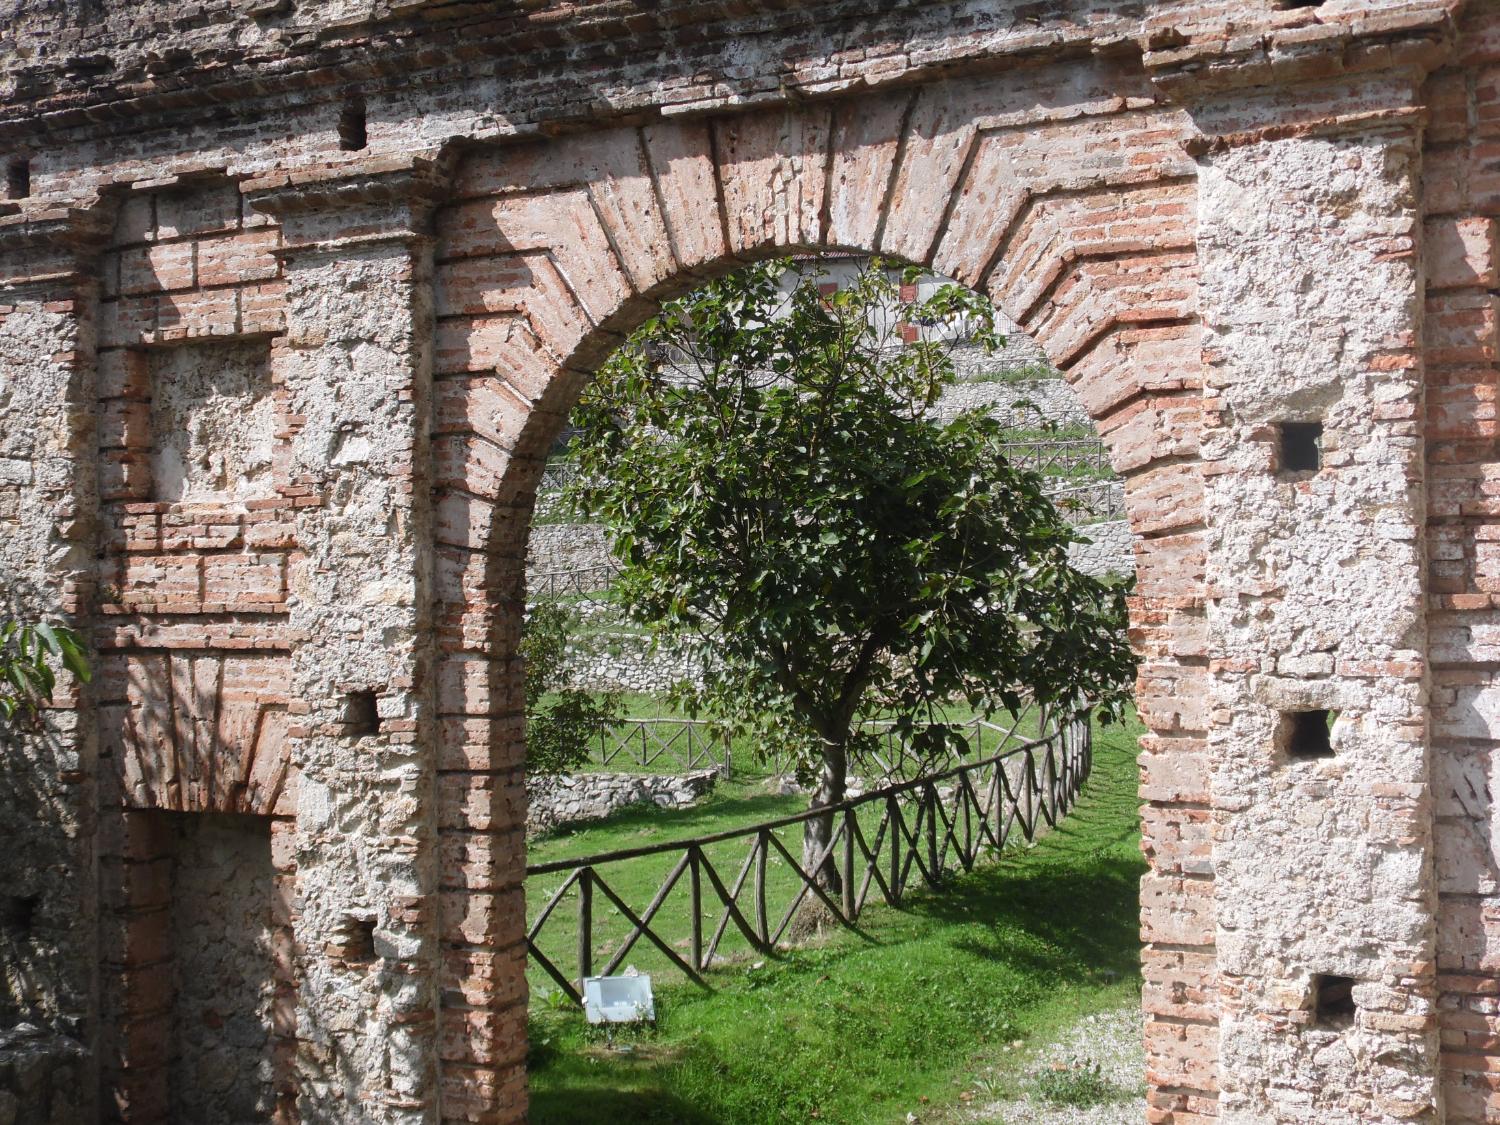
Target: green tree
[(27, 652), (783, 504), (561, 721)]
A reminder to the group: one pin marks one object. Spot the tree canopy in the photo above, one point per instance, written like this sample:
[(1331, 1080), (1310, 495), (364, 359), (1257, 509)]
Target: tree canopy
[(766, 463)]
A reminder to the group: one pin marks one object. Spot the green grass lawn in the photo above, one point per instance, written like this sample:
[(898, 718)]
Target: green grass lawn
[(865, 1028)]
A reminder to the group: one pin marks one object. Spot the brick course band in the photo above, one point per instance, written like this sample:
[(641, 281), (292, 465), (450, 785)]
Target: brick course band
[(274, 408)]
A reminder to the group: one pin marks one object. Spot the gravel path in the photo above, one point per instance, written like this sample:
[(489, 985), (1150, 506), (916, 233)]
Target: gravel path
[(1110, 1039)]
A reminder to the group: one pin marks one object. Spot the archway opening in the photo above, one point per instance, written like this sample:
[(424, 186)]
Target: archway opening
[(667, 847)]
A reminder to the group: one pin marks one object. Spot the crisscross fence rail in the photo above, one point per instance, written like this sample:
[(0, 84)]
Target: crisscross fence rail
[(697, 901), (557, 474), (681, 744), (689, 744), (1060, 458), (589, 582), (1087, 503)]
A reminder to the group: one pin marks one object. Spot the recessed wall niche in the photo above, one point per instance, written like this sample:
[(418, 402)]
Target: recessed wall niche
[(223, 969), (213, 422)]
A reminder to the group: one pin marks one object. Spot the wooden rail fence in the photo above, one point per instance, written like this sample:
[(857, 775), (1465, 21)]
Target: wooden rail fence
[(690, 744), (883, 844), (1060, 458), (683, 744), (1050, 458)]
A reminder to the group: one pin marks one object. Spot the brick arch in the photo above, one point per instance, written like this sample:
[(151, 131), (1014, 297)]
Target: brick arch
[(1078, 223)]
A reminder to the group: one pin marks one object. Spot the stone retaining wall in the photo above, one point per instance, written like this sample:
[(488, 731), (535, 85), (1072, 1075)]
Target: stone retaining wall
[(622, 660), (567, 546), (1021, 405), (1111, 549), (1024, 405), (572, 799)]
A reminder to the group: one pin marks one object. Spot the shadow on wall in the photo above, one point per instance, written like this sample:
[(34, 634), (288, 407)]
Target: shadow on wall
[(1465, 779), (44, 902)]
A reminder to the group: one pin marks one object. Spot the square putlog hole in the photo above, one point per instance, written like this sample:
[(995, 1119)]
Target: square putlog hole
[(1308, 734), (353, 126), (1301, 447), (353, 941), (1333, 1000), (18, 913), (361, 713), (18, 179)]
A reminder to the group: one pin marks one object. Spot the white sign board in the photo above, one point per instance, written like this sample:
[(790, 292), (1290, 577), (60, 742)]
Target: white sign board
[(624, 999)]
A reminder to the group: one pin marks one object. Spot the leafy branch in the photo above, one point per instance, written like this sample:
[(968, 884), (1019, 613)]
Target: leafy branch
[(27, 655)]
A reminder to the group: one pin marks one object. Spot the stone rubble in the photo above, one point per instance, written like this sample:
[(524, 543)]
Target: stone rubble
[(41, 1077)]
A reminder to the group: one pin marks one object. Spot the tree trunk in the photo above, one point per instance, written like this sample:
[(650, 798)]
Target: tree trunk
[(817, 831)]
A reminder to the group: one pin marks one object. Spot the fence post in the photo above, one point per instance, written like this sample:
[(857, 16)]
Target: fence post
[(849, 864), (762, 923), (695, 884), (965, 790), (930, 798), (893, 814), (585, 925), (1031, 791)]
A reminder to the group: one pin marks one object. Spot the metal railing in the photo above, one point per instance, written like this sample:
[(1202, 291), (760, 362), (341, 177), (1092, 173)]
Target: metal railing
[(882, 844)]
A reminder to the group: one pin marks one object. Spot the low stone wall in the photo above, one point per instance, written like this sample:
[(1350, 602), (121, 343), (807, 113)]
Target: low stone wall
[(42, 1078), (1046, 400), (567, 546), (624, 661), (1111, 549), (577, 798)]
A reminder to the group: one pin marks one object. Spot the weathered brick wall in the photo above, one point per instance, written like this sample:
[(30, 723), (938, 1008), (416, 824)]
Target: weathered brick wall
[(1461, 205), (273, 408), (48, 777)]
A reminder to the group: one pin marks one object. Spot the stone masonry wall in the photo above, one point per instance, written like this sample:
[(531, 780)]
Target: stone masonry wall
[(397, 238), (43, 1078), (1110, 549), (553, 802), (224, 976), (1460, 200)]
